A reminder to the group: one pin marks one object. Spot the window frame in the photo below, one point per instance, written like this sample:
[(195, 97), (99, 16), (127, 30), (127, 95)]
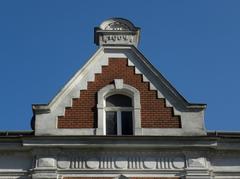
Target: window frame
[(119, 111), (123, 89)]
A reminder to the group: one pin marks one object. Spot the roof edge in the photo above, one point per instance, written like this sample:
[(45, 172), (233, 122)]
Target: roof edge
[(46, 108), (167, 84)]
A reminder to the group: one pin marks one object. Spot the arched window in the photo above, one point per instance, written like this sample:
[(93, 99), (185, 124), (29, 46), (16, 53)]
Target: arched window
[(119, 110), (119, 120)]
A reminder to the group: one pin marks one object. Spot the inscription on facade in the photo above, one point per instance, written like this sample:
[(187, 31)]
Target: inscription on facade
[(122, 39)]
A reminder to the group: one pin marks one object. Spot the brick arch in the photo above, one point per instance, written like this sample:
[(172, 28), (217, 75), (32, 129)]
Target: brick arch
[(154, 112)]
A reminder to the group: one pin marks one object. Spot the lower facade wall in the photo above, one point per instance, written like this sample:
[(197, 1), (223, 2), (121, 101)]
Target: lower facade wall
[(41, 163), (119, 177)]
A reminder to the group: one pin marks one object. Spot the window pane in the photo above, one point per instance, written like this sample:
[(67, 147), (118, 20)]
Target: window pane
[(111, 123), (127, 123), (118, 100)]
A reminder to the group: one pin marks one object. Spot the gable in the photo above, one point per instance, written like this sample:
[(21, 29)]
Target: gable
[(76, 109), (48, 116), (154, 112)]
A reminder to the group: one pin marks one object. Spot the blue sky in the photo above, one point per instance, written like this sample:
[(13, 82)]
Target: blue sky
[(194, 44)]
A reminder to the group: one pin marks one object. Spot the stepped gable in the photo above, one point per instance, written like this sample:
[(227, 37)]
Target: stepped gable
[(83, 113)]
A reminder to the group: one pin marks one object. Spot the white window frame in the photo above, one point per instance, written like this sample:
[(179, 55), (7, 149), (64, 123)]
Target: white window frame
[(119, 88), (119, 111)]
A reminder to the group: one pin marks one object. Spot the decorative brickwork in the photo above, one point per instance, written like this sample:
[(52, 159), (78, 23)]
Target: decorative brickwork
[(83, 113)]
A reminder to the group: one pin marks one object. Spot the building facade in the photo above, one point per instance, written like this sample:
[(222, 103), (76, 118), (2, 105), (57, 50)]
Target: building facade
[(118, 117)]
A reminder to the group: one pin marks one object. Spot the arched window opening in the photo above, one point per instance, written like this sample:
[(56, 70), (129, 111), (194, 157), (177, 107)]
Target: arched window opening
[(119, 112)]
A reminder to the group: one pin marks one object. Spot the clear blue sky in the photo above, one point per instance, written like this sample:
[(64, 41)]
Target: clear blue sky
[(194, 44)]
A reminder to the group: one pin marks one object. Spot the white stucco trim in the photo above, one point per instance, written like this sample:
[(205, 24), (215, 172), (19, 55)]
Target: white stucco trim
[(125, 90), (46, 122), (57, 157), (105, 24), (140, 70)]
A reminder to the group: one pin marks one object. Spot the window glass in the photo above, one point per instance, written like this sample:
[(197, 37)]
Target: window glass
[(118, 100), (119, 115), (111, 123), (127, 123)]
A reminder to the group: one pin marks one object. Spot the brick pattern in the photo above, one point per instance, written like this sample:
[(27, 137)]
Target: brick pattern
[(83, 113)]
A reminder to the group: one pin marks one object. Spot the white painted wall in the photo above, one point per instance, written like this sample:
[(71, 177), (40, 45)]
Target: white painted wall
[(55, 158)]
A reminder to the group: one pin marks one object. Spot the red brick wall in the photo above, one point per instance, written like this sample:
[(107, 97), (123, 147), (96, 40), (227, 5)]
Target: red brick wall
[(83, 113)]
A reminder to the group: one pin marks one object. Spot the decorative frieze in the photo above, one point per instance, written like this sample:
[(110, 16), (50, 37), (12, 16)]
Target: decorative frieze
[(120, 161), (195, 160), (45, 162)]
